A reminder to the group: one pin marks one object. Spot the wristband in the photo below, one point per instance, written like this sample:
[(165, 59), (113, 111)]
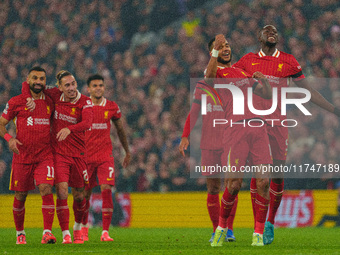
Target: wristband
[(7, 137), (214, 53), (337, 112)]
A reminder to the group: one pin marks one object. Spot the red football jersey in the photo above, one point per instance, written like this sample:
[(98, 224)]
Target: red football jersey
[(77, 116), (210, 135), (277, 68), (98, 139), (33, 128), (242, 80)]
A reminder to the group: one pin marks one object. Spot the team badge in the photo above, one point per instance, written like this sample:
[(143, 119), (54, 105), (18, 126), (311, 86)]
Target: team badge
[(73, 111), (48, 109), (279, 69), (106, 114)]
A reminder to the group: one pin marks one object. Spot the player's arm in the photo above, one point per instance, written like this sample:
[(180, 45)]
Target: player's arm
[(262, 89), (212, 65), (123, 140), (189, 125), (317, 98), (12, 142), (26, 91), (85, 124)]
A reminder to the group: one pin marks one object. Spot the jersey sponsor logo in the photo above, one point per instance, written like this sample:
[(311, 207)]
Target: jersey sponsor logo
[(41, 121), (255, 64), (214, 108), (73, 111), (29, 121), (65, 117), (106, 114), (99, 126), (279, 69)]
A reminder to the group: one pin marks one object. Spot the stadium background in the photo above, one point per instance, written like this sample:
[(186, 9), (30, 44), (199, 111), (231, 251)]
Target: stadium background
[(147, 51)]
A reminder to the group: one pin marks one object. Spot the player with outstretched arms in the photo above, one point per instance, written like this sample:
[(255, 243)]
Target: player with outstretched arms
[(277, 66), (32, 159), (99, 158), (72, 117)]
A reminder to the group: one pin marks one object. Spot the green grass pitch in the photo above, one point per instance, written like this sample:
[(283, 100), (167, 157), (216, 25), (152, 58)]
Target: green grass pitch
[(177, 241)]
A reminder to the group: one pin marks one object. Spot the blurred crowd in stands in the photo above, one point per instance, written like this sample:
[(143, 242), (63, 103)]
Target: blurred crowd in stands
[(148, 50)]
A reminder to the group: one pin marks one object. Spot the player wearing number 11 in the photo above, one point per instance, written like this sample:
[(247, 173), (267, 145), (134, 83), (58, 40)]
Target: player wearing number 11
[(32, 159), (99, 152)]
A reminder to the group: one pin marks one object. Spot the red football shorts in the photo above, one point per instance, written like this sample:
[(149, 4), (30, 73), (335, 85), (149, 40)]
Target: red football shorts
[(210, 158), (105, 172), (72, 170), (246, 143), (278, 139), (24, 177)]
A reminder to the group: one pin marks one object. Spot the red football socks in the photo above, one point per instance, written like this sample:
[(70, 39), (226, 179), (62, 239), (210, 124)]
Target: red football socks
[(253, 192), (213, 205), (78, 210), (86, 213), (230, 220), (63, 214), (275, 192), (107, 208), (261, 206), (48, 211), (19, 214), (227, 203)]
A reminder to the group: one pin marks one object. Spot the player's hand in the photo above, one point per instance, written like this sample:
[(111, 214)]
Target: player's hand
[(183, 145), (62, 134), (127, 159), (12, 144), (30, 104), (219, 40), (259, 75)]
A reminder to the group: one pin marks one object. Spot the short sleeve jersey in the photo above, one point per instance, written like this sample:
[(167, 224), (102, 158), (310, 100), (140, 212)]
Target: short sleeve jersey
[(98, 140), (33, 128), (277, 68), (67, 114)]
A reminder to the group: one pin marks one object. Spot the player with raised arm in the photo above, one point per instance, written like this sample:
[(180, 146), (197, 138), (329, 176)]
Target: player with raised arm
[(241, 142), (32, 160), (99, 158), (72, 117), (277, 66), (211, 143)]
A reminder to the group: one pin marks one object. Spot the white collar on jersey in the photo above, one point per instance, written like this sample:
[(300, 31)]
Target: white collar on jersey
[(275, 54), (62, 98), (102, 103)]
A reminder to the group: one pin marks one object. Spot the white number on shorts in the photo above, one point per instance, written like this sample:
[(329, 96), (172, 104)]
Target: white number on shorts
[(112, 170), (50, 172), (86, 176)]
